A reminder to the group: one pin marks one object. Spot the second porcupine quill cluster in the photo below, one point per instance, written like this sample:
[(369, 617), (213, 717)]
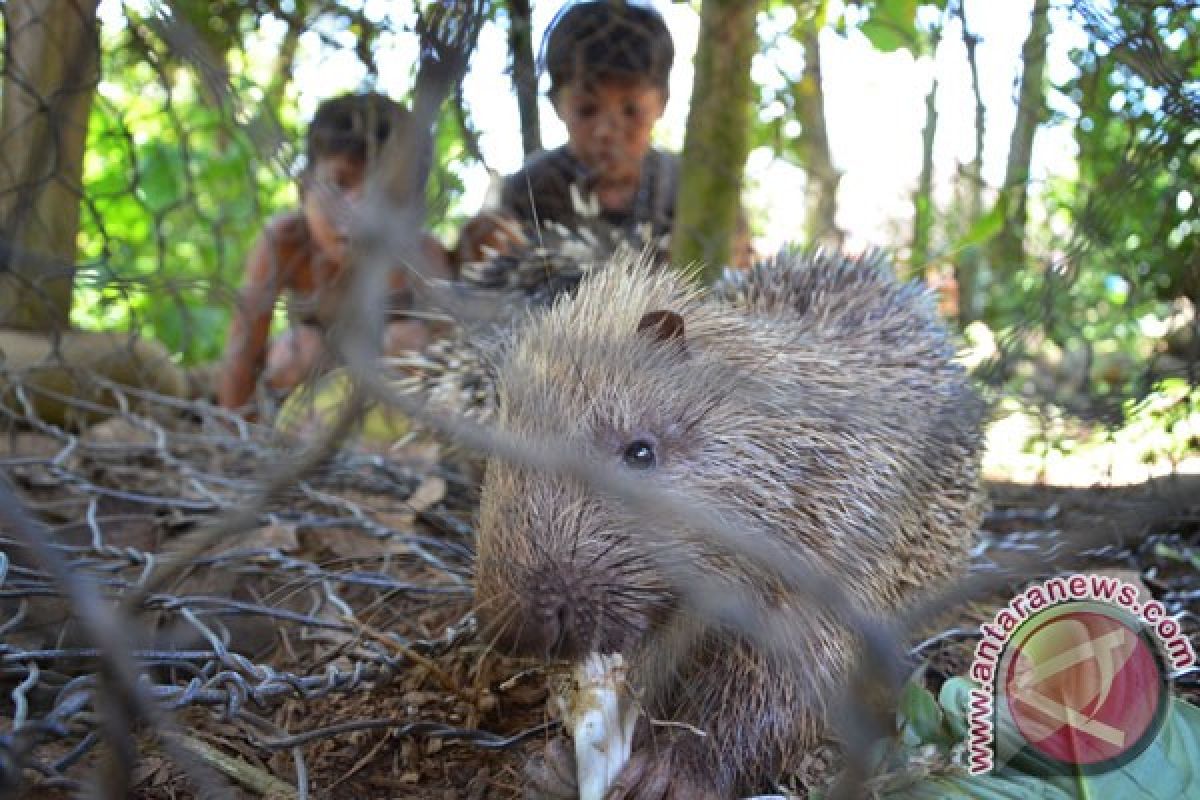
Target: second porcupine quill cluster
[(812, 397)]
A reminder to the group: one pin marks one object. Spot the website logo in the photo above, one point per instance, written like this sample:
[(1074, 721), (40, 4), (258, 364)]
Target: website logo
[(1073, 673)]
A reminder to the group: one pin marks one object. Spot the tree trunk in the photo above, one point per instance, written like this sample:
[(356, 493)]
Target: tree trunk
[(718, 136), (281, 74), (51, 68), (524, 73), (923, 198), (822, 178), (969, 264), (1008, 248)]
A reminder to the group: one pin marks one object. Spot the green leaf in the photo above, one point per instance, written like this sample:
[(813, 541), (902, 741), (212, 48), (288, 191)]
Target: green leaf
[(983, 229), (1168, 768), (891, 25), (920, 717), (955, 700), (822, 15), (1166, 551), (981, 787)]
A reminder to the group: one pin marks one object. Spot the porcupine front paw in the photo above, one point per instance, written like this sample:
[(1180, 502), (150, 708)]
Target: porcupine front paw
[(551, 775), (680, 769), (661, 771)]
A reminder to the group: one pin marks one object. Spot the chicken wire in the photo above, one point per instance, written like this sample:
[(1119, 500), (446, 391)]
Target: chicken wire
[(113, 501)]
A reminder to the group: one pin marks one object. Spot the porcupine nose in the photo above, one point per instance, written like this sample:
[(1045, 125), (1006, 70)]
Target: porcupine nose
[(553, 626)]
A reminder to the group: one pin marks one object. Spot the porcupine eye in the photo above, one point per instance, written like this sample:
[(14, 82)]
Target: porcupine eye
[(639, 454)]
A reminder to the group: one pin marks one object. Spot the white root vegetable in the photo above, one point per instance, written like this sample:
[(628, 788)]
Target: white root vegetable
[(600, 717)]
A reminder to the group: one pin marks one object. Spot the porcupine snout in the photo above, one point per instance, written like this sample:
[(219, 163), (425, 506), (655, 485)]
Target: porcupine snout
[(552, 612)]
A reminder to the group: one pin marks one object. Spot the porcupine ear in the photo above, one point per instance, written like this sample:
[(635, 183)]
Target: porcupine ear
[(664, 326)]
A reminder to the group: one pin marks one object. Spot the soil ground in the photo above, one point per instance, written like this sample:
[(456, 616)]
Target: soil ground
[(430, 726)]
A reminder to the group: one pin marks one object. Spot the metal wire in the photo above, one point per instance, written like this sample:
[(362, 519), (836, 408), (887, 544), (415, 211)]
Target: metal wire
[(250, 621)]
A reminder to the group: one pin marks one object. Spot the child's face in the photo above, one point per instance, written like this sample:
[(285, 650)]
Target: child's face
[(609, 124), (331, 191)]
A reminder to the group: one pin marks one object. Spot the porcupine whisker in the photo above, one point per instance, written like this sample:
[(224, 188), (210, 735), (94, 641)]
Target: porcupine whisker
[(634, 592), (509, 564), (619, 624), (638, 621), (649, 608), (626, 620), (540, 549), (504, 621), (500, 622), (580, 509), (498, 632), (603, 553), (628, 605), (478, 605), (610, 607), (633, 575)]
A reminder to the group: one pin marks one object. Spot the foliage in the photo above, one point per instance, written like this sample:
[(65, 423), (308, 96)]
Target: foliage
[(1167, 768), (1134, 204), (776, 124), (888, 24), (177, 186), (176, 193), (1106, 292), (892, 24)]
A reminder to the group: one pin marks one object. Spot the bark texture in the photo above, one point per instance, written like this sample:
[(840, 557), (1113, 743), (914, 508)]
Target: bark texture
[(524, 73), (718, 137), (821, 186), (969, 264), (1008, 248), (51, 68)]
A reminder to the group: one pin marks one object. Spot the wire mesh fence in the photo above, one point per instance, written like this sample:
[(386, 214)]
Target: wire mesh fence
[(193, 599)]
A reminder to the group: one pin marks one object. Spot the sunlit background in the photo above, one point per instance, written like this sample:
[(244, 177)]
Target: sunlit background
[(874, 104), (874, 110)]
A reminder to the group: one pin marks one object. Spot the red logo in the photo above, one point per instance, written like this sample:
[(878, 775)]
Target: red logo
[(1083, 686)]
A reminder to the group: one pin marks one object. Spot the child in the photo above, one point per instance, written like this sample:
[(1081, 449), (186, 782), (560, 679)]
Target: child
[(305, 254), (609, 63)]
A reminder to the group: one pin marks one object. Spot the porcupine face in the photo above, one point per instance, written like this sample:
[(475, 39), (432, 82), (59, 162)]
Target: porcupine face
[(563, 570)]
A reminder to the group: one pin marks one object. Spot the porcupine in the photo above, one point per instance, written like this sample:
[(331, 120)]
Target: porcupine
[(456, 373), (813, 397)]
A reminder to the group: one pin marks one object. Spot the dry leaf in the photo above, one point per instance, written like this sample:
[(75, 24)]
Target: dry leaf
[(431, 492), (145, 770), (421, 455), (117, 430), (280, 537), (347, 543), (30, 445)]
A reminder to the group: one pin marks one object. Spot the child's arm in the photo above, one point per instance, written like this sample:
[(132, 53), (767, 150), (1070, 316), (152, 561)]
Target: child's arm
[(267, 274), (489, 233), (437, 258), (404, 332)]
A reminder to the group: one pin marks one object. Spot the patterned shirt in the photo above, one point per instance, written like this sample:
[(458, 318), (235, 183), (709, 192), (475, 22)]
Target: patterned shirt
[(540, 192)]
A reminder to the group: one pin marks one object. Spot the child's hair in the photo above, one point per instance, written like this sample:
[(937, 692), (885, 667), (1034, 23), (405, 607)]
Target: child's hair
[(353, 125), (606, 39)]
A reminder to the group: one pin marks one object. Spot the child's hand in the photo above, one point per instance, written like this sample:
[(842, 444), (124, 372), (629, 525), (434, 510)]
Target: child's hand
[(405, 336), (488, 235)]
